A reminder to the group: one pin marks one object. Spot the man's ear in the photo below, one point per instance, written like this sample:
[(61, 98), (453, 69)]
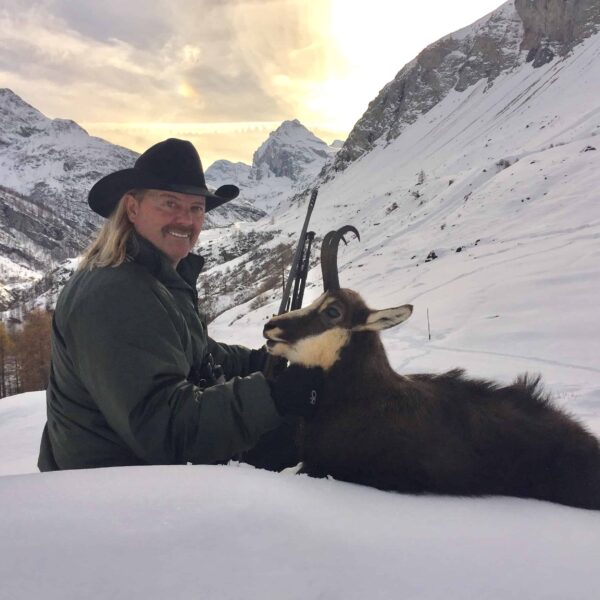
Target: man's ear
[(132, 206), (386, 318)]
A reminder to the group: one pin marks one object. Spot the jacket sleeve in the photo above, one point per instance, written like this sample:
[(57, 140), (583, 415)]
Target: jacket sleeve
[(234, 359), (130, 348)]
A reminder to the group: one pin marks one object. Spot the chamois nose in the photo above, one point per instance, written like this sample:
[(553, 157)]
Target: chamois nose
[(268, 326)]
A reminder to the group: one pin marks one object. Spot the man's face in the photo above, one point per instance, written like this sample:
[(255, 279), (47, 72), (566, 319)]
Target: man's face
[(169, 220)]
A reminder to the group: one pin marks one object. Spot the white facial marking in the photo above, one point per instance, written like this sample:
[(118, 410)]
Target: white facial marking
[(322, 350)]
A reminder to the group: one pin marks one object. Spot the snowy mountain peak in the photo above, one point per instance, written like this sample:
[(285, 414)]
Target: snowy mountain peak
[(290, 151), (19, 120), (287, 162)]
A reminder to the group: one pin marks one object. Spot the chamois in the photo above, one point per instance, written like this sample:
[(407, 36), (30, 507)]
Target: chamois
[(437, 433)]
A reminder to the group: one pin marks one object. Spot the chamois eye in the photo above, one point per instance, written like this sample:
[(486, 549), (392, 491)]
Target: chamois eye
[(332, 312)]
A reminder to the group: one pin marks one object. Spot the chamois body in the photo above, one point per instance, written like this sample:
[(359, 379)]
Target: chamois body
[(446, 434)]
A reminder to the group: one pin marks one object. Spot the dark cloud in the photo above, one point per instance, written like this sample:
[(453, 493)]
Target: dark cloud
[(106, 20)]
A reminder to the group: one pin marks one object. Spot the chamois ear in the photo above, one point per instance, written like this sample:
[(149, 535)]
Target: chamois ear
[(386, 318)]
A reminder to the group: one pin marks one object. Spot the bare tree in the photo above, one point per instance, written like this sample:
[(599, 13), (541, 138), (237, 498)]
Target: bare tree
[(32, 352)]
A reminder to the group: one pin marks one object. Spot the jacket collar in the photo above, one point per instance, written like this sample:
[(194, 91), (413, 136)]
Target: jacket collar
[(143, 252)]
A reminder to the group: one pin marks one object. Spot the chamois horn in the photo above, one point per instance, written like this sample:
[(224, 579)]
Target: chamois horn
[(329, 251)]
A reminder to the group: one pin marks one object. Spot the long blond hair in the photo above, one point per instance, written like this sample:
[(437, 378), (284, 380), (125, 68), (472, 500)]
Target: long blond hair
[(109, 249)]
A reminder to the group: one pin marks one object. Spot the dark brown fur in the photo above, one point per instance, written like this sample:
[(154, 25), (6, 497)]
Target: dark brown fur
[(446, 434)]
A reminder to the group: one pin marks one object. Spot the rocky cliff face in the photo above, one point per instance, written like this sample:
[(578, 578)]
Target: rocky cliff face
[(554, 27), (535, 31)]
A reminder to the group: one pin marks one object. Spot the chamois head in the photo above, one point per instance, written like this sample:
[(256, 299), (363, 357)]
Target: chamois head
[(315, 335)]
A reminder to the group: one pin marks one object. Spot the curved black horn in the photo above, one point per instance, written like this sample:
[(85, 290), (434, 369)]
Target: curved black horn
[(329, 251)]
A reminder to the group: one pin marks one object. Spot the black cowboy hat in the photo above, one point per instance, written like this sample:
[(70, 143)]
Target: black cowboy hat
[(172, 165)]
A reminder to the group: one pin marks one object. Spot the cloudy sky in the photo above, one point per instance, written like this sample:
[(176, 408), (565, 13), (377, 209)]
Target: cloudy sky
[(223, 73)]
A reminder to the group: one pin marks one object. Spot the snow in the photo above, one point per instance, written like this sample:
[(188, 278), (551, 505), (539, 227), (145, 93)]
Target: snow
[(22, 419), (232, 532), (521, 295)]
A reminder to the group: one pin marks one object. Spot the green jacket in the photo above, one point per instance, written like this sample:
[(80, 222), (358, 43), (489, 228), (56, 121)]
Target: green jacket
[(127, 344)]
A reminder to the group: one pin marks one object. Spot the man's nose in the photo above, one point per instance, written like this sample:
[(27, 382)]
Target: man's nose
[(185, 215)]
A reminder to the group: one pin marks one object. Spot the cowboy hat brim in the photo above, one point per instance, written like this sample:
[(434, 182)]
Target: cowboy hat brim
[(106, 193)]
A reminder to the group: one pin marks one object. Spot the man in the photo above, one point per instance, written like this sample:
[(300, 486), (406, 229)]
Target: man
[(132, 379)]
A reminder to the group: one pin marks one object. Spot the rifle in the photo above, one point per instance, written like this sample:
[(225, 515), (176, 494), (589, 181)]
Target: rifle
[(297, 275)]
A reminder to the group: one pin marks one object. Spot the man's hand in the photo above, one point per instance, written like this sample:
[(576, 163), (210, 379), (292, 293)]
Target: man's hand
[(258, 359), (258, 362), (297, 389)]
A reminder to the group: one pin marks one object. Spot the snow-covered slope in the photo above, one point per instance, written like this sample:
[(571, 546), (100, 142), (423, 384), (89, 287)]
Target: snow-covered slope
[(286, 163), (221, 532)]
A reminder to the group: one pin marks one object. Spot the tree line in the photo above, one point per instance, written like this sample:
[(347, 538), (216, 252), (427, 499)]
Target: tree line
[(25, 353)]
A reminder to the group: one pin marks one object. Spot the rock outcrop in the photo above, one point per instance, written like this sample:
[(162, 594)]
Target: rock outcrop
[(553, 27)]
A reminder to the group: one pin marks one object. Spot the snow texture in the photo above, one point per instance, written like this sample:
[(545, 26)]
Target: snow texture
[(236, 532)]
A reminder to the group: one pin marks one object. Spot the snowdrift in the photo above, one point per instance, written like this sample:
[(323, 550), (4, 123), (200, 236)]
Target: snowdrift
[(227, 532)]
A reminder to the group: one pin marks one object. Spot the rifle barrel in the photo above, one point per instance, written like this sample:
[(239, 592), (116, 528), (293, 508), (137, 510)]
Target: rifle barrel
[(269, 368), (298, 253)]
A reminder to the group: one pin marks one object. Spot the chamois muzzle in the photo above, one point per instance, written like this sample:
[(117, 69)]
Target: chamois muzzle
[(329, 251)]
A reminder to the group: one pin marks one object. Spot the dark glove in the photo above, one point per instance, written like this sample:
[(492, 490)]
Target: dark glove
[(296, 390), (257, 360)]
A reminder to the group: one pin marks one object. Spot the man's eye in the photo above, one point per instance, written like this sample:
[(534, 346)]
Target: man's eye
[(198, 209), (332, 312), (170, 204)]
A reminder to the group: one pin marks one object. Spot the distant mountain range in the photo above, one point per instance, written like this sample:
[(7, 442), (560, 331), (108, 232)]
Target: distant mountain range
[(47, 167)]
